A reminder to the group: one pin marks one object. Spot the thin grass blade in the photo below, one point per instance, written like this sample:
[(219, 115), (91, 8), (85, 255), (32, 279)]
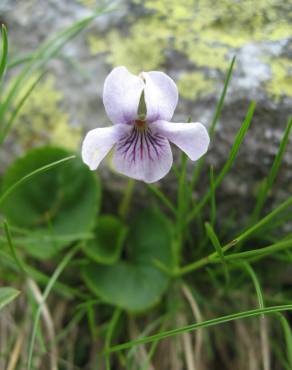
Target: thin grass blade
[(212, 198), (246, 266), (112, 325), (32, 174), (263, 328), (47, 291), (159, 194), (44, 53), (288, 336), (232, 156), (259, 253), (17, 260), (3, 61), (7, 295), (216, 117), (269, 181), (7, 127), (217, 245), (204, 324)]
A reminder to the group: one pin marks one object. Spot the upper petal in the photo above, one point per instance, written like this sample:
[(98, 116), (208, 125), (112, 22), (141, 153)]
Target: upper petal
[(99, 142), (161, 96), (192, 138), (121, 94), (143, 155)]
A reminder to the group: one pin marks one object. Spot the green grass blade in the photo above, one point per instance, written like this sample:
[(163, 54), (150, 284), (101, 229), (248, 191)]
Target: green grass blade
[(212, 198), (214, 239), (150, 354), (263, 329), (203, 324), (216, 244), (7, 127), (12, 248), (159, 194), (91, 321), (32, 174), (288, 337), (20, 60), (47, 291), (269, 181), (261, 252), (62, 289), (3, 61), (243, 236), (54, 44), (232, 156), (252, 230), (238, 140), (43, 54), (257, 253), (216, 117), (109, 334), (255, 281), (222, 98), (265, 220), (7, 295)]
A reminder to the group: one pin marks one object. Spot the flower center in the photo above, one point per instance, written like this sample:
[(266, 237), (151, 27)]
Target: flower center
[(140, 124)]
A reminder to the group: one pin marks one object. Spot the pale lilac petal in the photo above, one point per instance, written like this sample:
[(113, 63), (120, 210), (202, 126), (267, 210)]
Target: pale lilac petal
[(121, 94), (143, 156), (99, 142), (192, 138), (161, 96)]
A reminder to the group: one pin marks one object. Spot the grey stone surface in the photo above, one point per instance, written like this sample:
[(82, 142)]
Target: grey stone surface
[(81, 80)]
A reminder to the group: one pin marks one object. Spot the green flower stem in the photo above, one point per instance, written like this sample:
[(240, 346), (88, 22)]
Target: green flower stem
[(183, 200), (126, 200)]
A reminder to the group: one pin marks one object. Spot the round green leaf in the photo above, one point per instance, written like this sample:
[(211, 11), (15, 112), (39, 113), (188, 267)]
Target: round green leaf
[(56, 206), (106, 246), (134, 283)]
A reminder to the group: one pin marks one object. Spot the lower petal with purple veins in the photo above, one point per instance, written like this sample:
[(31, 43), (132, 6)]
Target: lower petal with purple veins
[(143, 155)]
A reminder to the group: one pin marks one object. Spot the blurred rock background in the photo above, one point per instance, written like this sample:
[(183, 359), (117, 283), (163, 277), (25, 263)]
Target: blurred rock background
[(194, 42)]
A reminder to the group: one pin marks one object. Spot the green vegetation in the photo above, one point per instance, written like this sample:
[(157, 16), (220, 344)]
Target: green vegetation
[(162, 280)]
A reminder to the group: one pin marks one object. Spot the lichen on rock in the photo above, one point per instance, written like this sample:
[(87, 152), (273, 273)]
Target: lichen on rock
[(42, 119), (193, 85), (281, 83), (207, 34)]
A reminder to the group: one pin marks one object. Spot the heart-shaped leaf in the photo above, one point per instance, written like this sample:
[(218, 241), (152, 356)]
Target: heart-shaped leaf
[(56, 206), (135, 283)]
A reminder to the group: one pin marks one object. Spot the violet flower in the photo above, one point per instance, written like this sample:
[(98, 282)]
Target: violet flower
[(140, 141)]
